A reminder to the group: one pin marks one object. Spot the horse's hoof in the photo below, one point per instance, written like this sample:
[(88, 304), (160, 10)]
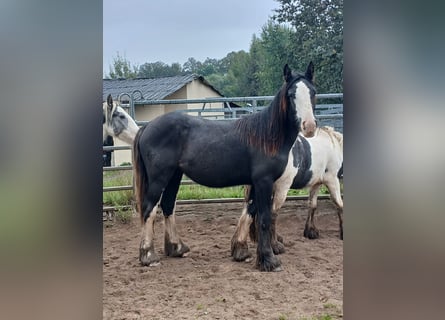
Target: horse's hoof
[(311, 233), (270, 263), (240, 251), (280, 238), (148, 257), (279, 269), (278, 247), (177, 250)]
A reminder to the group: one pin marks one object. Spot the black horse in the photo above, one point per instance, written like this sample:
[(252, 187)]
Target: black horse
[(312, 162), (252, 150)]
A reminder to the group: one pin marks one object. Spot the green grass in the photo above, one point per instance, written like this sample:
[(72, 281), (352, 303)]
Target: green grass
[(117, 178), (322, 317), (123, 216), (199, 306), (186, 192), (200, 192), (333, 312)]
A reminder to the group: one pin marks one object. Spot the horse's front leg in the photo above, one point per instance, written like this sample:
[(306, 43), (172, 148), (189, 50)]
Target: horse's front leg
[(281, 187), (279, 197), (310, 230), (266, 260)]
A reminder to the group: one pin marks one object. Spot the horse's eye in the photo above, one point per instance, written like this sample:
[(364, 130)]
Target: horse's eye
[(122, 116)]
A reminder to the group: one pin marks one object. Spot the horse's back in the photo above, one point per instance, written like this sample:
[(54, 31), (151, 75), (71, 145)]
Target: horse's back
[(327, 153), (207, 151)]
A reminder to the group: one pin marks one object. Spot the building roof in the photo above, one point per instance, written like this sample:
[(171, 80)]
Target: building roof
[(152, 89)]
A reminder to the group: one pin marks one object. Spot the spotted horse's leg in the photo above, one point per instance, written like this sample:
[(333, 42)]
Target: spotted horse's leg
[(310, 230), (238, 245), (333, 185)]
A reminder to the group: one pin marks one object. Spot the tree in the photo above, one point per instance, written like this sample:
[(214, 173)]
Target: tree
[(273, 49), (192, 66), (233, 80), (159, 69), (318, 26), (122, 68)]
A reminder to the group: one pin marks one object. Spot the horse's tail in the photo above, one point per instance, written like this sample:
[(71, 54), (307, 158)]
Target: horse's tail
[(252, 211), (140, 175)]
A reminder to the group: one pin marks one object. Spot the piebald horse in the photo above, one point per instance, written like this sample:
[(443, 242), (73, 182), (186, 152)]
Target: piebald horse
[(312, 162), (253, 150), (117, 123)]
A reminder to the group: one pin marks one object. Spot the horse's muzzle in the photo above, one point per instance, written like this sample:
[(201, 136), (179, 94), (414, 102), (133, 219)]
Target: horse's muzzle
[(308, 128)]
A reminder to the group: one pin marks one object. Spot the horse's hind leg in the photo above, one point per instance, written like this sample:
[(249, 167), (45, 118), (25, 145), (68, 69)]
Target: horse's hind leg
[(173, 245), (334, 189), (310, 230), (147, 254), (238, 244)]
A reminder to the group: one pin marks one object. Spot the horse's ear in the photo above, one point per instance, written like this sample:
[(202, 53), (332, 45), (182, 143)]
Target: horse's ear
[(110, 102), (310, 72), (287, 73)]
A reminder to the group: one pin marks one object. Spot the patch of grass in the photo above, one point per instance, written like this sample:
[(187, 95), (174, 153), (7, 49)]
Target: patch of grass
[(300, 192), (123, 216), (186, 192), (329, 306), (193, 191), (282, 317), (323, 317), (114, 179), (199, 306)]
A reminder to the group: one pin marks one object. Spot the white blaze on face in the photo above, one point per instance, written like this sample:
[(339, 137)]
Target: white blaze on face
[(304, 109)]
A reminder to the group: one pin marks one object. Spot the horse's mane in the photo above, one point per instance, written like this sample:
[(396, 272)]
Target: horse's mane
[(265, 130), (107, 113)]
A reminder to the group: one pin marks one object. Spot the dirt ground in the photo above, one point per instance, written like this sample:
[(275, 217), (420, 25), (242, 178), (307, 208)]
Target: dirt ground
[(208, 284)]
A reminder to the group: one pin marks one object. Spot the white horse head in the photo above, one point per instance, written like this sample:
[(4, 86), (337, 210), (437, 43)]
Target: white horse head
[(117, 123)]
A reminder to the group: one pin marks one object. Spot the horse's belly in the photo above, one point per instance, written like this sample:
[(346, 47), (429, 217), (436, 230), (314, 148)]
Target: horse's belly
[(217, 174)]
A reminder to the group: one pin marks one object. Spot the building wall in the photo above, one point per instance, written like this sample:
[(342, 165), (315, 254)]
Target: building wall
[(148, 112), (120, 156), (180, 94), (197, 90)]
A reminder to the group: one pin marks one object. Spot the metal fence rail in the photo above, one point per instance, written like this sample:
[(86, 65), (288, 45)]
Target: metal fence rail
[(330, 115)]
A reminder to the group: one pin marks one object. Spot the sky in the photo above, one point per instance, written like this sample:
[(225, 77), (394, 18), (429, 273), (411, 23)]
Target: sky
[(175, 30)]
